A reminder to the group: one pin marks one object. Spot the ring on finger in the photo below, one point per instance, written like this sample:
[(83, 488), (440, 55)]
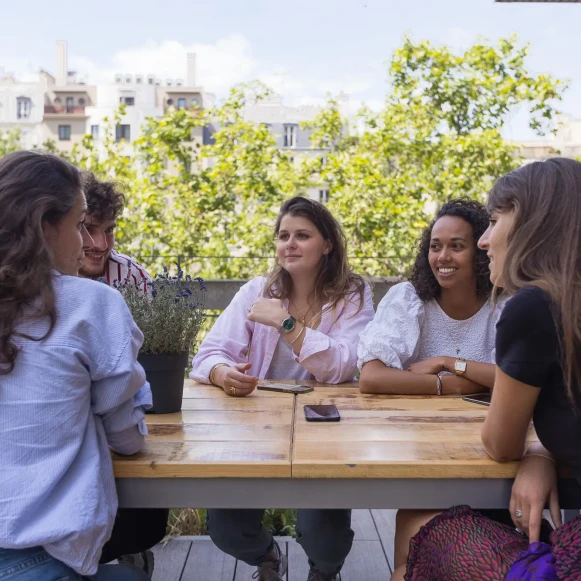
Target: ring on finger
[(518, 514), (233, 390)]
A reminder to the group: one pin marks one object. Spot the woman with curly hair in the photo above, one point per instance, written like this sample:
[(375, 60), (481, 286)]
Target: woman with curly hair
[(435, 334)]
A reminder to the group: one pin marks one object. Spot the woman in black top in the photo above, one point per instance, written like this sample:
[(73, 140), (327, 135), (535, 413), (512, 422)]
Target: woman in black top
[(534, 246)]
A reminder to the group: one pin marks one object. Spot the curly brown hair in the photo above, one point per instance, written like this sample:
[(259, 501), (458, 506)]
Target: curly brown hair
[(423, 279), (35, 188), (104, 200), (335, 281)]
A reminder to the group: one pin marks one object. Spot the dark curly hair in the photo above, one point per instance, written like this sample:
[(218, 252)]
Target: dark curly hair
[(104, 200), (476, 215)]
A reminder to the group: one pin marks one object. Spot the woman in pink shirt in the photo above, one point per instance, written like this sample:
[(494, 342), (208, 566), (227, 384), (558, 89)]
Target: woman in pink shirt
[(302, 322)]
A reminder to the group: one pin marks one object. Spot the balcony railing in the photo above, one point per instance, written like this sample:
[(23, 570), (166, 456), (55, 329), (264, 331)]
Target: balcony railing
[(64, 109)]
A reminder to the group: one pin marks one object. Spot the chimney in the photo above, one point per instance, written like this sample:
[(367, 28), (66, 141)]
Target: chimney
[(61, 62), (191, 70)]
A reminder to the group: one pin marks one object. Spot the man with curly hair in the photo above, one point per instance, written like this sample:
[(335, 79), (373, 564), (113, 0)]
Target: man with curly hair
[(104, 205), (135, 530)]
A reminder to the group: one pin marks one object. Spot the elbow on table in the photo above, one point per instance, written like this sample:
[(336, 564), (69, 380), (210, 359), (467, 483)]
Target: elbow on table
[(499, 451), (365, 383)]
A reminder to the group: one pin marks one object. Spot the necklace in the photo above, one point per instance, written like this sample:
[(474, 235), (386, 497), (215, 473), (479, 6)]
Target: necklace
[(301, 316), (459, 341)]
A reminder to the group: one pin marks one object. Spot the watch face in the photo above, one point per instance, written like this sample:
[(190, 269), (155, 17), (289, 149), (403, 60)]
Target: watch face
[(460, 366), (288, 324)]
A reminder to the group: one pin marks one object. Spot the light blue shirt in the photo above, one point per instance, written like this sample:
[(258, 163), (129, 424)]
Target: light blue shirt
[(70, 398)]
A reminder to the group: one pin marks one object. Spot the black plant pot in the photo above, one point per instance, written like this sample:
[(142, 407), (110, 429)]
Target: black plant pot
[(165, 373)]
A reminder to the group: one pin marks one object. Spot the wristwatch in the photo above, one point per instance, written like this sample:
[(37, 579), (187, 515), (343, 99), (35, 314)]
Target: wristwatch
[(460, 366), (287, 326)]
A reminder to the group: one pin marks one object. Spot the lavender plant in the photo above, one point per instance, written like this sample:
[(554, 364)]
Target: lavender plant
[(170, 314)]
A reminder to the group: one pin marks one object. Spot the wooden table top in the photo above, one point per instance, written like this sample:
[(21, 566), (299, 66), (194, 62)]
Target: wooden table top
[(216, 436), (383, 436), (265, 435)]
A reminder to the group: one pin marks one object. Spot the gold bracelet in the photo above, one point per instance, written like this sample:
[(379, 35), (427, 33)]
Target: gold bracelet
[(211, 374), (541, 456), (300, 333)]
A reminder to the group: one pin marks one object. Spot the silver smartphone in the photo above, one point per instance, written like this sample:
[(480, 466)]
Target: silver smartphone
[(481, 398), (284, 387)]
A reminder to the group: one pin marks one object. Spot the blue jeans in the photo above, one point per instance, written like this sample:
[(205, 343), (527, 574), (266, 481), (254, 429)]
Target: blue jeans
[(36, 564), (325, 536)]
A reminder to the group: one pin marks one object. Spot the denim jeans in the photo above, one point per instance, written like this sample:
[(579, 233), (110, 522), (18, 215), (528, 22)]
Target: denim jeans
[(325, 536), (35, 564)]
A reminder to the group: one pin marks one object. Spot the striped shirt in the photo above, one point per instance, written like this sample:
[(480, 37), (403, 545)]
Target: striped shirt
[(121, 267)]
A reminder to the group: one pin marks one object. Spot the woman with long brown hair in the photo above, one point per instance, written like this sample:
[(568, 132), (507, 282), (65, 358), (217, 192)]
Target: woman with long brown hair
[(534, 246), (70, 384), (301, 322)]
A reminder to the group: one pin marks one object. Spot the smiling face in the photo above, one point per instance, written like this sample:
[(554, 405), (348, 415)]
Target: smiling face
[(67, 238), (495, 242), (300, 247), (97, 254), (451, 254)]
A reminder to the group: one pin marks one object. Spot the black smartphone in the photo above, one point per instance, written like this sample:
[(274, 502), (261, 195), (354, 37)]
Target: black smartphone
[(284, 387), (481, 398), (322, 413)]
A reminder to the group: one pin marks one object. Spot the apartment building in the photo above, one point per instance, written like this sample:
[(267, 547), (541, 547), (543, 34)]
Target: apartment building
[(63, 108), (284, 124)]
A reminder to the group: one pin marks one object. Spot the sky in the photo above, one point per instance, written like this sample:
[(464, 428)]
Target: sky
[(303, 49)]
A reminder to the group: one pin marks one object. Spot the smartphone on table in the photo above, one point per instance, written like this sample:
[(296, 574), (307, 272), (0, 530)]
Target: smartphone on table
[(481, 398), (284, 387), (322, 413)]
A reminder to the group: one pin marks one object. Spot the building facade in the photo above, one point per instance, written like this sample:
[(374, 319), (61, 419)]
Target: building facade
[(566, 142), (284, 124), (62, 108)]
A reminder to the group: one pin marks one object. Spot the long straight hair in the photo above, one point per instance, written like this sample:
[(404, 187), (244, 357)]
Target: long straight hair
[(35, 188), (544, 245), (335, 281)]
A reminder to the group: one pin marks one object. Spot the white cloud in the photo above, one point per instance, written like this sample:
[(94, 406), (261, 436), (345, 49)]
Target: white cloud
[(220, 66)]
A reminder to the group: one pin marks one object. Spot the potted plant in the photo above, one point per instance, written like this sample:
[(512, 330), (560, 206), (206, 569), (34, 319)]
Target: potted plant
[(169, 315)]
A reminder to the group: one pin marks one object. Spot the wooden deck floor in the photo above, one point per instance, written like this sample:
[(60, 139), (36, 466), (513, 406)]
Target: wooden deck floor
[(197, 559)]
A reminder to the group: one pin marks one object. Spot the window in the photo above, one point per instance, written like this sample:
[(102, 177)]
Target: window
[(23, 107), (290, 135), (70, 105), (82, 102), (95, 132), (195, 102), (170, 102), (129, 101), (64, 132), (123, 132), (181, 103), (324, 196)]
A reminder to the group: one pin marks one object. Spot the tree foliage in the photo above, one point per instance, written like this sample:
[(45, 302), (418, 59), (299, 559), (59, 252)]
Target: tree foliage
[(437, 136)]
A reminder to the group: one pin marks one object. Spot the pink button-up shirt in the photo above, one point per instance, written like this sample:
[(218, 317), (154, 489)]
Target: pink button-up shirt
[(329, 353)]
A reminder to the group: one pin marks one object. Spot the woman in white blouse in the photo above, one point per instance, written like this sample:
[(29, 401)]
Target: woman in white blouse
[(435, 334)]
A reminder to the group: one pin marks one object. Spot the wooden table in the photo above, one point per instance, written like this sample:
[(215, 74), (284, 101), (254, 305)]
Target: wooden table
[(258, 451)]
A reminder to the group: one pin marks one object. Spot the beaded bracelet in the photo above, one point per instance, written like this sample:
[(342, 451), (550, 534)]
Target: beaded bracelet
[(439, 385)]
